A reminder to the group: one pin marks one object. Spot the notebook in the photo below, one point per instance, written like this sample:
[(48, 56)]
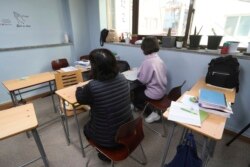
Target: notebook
[(211, 98)]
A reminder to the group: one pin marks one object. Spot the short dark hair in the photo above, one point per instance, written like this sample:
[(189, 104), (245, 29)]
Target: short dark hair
[(103, 64), (150, 45)]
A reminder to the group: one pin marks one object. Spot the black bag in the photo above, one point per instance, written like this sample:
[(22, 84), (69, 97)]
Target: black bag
[(186, 155), (103, 36), (224, 72)]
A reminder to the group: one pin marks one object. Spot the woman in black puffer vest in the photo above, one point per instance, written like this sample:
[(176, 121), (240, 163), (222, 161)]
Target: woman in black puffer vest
[(108, 95)]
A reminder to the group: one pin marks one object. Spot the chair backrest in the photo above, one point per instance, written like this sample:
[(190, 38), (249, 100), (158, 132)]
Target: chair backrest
[(130, 134), (175, 92), (84, 57), (123, 65), (59, 63), (65, 79)]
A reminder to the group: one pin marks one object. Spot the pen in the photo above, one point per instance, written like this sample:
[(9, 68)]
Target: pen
[(188, 111)]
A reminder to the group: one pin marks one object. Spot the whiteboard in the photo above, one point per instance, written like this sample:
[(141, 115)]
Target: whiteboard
[(31, 22)]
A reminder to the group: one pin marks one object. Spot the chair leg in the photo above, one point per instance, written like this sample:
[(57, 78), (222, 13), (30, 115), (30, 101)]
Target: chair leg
[(144, 162), (162, 121), (112, 164)]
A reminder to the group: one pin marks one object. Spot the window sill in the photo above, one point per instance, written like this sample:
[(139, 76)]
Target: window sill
[(185, 50), (34, 47)]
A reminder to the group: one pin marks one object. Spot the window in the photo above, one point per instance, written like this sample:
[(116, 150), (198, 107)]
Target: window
[(157, 16), (229, 18), (119, 15)]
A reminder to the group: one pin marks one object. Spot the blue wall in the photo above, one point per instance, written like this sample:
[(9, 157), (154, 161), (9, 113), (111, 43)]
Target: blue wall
[(49, 20)]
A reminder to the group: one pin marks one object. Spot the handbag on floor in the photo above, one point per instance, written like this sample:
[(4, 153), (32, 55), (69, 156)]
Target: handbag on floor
[(186, 155)]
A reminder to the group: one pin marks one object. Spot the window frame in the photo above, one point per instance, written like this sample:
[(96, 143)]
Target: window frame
[(191, 11)]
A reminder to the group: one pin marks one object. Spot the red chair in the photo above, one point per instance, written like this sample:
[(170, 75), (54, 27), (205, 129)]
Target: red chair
[(84, 57), (163, 104), (59, 63), (129, 135)]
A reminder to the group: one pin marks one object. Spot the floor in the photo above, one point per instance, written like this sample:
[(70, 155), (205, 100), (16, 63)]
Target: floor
[(19, 149)]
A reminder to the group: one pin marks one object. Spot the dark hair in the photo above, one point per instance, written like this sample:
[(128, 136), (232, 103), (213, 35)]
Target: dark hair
[(103, 64), (150, 45)]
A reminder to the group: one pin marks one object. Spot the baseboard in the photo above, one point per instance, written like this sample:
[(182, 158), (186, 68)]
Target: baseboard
[(7, 105), (241, 137)]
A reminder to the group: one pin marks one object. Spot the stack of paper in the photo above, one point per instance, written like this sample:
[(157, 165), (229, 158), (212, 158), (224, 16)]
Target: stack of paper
[(214, 102), (83, 63), (67, 69), (183, 113)]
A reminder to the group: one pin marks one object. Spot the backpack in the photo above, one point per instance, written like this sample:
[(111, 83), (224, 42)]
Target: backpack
[(224, 72), (103, 36)]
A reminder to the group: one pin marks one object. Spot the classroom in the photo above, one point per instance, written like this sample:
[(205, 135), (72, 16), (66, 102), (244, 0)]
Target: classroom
[(34, 33)]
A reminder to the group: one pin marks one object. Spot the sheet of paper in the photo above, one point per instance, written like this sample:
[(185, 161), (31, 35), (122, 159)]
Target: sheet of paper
[(193, 102), (130, 75), (183, 113), (67, 69)]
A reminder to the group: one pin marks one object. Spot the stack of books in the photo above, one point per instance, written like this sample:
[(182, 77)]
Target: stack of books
[(214, 102)]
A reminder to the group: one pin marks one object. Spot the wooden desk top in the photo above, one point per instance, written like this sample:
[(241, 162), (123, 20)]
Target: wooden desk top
[(17, 120), (229, 93), (68, 93), (32, 80), (214, 125)]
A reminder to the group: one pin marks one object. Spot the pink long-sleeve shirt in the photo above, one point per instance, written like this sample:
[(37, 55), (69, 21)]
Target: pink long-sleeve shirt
[(153, 74)]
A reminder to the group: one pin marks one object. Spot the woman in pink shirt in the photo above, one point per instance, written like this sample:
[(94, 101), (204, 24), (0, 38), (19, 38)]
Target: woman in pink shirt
[(152, 74)]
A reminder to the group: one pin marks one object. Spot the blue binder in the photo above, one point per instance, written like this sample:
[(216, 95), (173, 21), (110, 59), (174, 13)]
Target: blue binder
[(212, 98)]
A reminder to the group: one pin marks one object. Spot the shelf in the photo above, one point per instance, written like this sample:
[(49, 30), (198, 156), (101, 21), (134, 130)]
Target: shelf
[(35, 47)]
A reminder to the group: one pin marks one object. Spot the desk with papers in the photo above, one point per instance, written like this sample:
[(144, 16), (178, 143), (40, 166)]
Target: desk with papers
[(212, 127)]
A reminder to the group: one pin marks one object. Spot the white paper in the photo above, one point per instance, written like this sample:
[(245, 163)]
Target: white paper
[(130, 75), (183, 113), (67, 69)]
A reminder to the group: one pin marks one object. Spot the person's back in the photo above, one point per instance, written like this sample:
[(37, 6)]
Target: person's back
[(108, 95), (110, 108)]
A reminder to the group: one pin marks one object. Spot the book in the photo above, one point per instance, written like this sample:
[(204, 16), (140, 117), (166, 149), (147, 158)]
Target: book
[(214, 102), (212, 99), (217, 112), (183, 113)]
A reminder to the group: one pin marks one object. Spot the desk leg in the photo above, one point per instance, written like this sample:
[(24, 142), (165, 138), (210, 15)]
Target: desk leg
[(13, 98), (40, 147), (79, 132), (168, 141), (52, 96), (65, 122), (206, 150)]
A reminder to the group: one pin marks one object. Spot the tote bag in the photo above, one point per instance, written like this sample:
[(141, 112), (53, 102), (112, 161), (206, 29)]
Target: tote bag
[(186, 155)]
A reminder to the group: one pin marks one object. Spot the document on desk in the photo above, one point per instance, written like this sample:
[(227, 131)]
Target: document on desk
[(67, 69), (130, 75), (183, 113), (192, 101)]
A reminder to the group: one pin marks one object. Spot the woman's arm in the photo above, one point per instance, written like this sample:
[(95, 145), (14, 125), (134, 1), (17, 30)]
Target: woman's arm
[(83, 95)]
